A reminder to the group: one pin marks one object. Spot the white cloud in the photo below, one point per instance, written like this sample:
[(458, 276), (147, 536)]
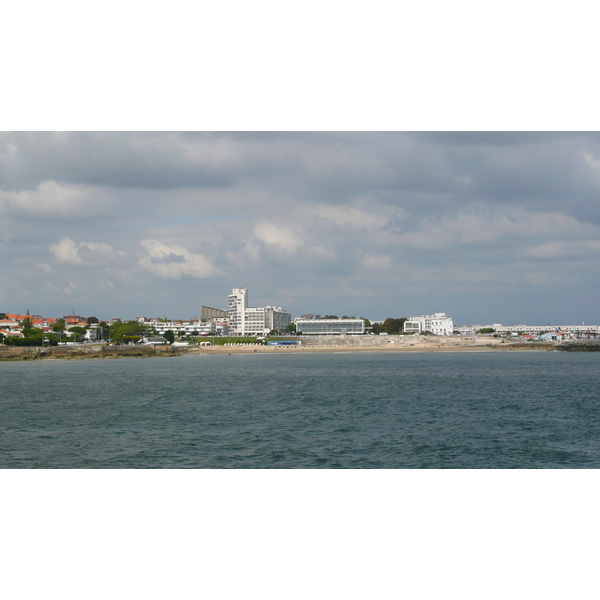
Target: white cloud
[(66, 252), (52, 199), (175, 262), (85, 254), (284, 238)]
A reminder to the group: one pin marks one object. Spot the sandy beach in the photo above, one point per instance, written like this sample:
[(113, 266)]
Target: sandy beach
[(349, 345)]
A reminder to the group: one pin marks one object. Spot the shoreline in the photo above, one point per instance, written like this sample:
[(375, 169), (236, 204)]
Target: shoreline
[(104, 353), (359, 350)]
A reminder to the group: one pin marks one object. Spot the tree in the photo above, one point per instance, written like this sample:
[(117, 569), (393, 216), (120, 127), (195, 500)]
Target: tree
[(487, 330), (103, 330), (29, 331), (92, 320), (169, 335), (118, 331), (291, 328), (59, 325), (77, 332), (330, 317), (393, 326), (52, 339)]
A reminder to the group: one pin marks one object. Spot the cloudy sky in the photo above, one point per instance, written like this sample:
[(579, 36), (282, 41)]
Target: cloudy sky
[(487, 227)]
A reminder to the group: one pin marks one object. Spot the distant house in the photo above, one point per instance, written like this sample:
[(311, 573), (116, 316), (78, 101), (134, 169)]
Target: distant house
[(552, 336), (11, 333), (9, 324)]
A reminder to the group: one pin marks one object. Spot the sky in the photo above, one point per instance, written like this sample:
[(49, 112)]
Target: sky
[(487, 227)]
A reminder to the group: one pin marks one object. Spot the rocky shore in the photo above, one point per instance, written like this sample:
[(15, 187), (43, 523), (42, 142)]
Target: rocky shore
[(84, 352)]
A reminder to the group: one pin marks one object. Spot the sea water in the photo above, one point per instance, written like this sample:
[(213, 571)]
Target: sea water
[(300, 410)]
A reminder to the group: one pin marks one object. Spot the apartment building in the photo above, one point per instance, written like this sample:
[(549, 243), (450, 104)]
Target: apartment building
[(187, 327), (213, 313), (245, 320)]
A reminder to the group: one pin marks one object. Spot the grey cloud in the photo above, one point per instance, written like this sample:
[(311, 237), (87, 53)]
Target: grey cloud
[(379, 224), (125, 160)]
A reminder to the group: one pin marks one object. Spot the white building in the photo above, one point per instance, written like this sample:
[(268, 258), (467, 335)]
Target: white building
[(186, 327), (245, 320), (236, 307), (582, 330), (330, 326), (438, 324)]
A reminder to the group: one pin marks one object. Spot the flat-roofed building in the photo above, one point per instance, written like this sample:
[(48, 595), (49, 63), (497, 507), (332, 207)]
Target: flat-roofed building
[(580, 330), (213, 313), (330, 326), (437, 323), (250, 320), (186, 327)]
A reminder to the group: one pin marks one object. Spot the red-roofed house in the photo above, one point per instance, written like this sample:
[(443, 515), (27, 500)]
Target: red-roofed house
[(7, 333), (9, 324)]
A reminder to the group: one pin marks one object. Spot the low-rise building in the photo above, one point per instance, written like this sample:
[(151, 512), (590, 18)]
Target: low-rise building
[(330, 326), (11, 333), (437, 323), (10, 325), (582, 331)]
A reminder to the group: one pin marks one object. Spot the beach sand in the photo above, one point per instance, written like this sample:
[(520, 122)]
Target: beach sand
[(482, 345)]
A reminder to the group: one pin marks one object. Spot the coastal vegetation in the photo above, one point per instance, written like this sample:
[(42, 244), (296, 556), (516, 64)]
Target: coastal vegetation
[(123, 333), (390, 326), (486, 330)]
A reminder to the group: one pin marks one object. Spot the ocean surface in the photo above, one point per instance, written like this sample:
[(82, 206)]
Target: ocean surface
[(491, 410)]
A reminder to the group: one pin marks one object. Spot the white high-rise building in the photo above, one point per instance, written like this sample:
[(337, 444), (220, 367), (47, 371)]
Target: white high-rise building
[(245, 320), (236, 308)]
